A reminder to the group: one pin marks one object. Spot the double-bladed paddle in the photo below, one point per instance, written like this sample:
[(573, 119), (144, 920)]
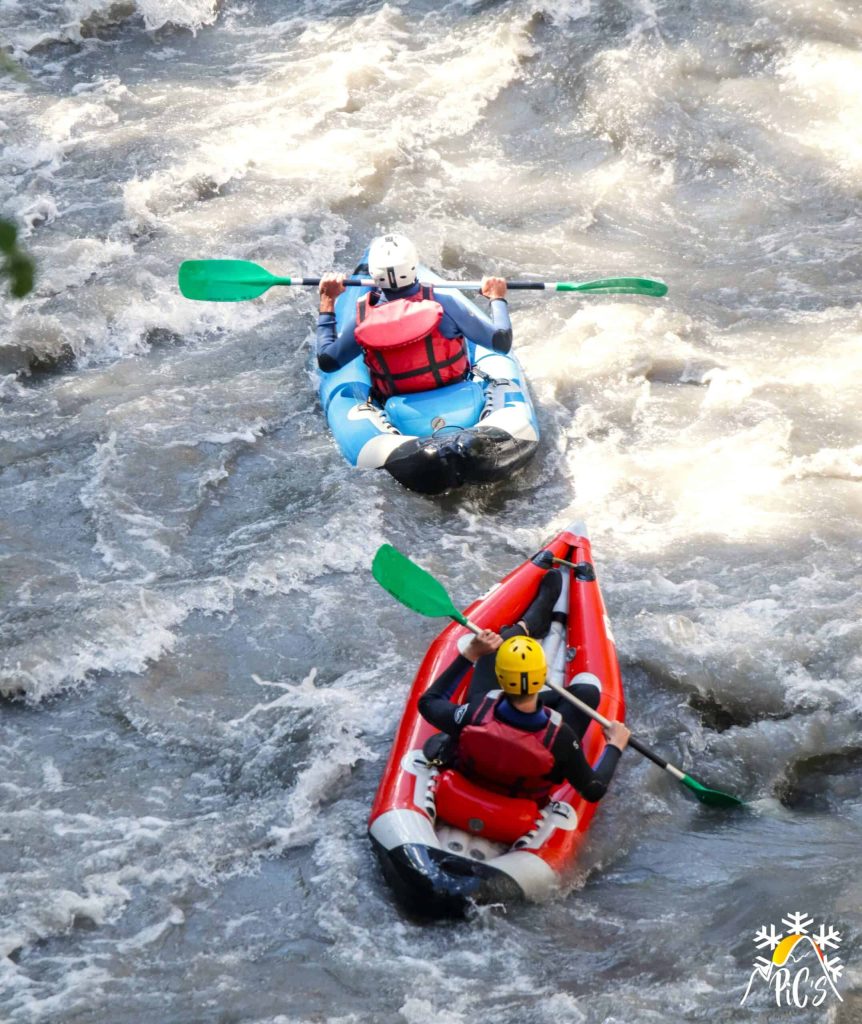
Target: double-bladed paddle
[(419, 590), (236, 280)]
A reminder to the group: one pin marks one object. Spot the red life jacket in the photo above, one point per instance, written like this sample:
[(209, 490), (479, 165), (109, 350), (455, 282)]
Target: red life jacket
[(505, 759), (403, 347)]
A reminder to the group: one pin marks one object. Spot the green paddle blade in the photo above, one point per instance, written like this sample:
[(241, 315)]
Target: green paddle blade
[(412, 585), (225, 280), (617, 285), (711, 797)]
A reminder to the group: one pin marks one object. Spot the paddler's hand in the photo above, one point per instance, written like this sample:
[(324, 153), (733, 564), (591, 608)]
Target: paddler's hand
[(617, 734), (494, 287), (482, 643), (331, 286)]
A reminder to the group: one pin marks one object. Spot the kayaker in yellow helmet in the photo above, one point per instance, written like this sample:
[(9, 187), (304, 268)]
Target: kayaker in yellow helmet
[(506, 737), (412, 337)]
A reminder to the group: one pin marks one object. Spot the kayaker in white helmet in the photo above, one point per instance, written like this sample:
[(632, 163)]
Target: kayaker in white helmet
[(419, 312)]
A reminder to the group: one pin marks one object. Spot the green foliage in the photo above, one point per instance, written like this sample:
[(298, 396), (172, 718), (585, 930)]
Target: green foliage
[(9, 66), (16, 265)]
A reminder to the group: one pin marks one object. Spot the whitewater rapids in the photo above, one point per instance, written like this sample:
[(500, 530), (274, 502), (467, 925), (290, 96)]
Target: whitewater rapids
[(201, 682)]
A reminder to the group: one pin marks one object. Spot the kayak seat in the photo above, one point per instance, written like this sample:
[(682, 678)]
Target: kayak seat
[(481, 813), (457, 406)]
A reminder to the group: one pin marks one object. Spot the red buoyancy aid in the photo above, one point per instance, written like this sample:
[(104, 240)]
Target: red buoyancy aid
[(403, 347), (505, 759)]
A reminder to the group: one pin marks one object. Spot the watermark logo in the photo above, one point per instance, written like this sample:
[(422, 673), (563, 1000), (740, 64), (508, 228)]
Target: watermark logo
[(802, 970)]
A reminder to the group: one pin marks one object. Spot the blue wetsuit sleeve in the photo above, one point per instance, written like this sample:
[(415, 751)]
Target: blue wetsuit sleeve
[(333, 350), (494, 332), (435, 704)]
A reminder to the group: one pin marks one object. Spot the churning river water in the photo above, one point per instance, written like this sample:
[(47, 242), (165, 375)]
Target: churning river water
[(201, 682)]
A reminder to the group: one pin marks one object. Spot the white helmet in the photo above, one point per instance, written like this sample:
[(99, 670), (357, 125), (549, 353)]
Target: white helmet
[(392, 261)]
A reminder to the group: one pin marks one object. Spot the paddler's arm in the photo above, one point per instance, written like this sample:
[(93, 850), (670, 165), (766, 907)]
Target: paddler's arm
[(435, 704), (333, 351), (495, 332), (591, 783)]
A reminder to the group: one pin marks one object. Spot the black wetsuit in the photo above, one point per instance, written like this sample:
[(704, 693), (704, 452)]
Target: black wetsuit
[(435, 705)]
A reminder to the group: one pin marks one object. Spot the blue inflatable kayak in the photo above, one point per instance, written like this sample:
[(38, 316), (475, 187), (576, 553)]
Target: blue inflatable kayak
[(476, 431)]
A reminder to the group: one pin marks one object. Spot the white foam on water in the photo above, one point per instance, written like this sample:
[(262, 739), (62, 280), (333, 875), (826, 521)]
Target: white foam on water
[(562, 12), (27, 27), (339, 548), (116, 858), (290, 165), (79, 986), (418, 1011), (122, 633), (190, 14), (76, 119), (708, 440), (248, 434), (52, 778), (722, 463), (129, 625), (10, 386), (830, 463), (821, 84), (374, 71), (154, 932), (193, 14), (38, 918), (42, 210), (349, 1018)]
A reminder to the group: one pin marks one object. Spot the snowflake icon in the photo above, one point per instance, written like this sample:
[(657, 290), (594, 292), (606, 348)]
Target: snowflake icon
[(834, 966), (798, 923), (830, 939), (767, 937)]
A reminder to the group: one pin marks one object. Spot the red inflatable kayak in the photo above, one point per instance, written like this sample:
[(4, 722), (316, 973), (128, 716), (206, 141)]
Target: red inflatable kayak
[(443, 842)]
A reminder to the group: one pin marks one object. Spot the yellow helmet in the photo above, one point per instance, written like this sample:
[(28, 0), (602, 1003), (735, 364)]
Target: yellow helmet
[(521, 667)]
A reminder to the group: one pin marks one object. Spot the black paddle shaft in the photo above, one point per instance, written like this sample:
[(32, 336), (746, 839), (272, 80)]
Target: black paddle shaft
[(641, 748), (645, 750), (536, 286)]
